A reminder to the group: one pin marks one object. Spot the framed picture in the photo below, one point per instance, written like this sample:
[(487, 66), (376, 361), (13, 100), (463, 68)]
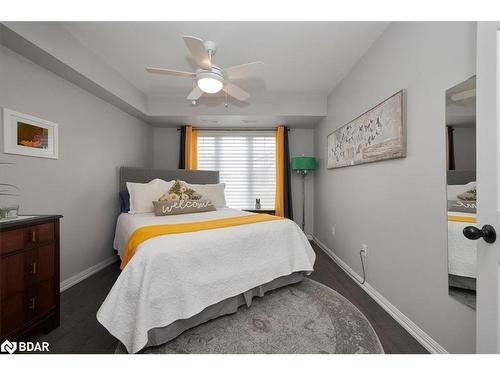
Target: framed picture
[(378, 134), (28, 135)]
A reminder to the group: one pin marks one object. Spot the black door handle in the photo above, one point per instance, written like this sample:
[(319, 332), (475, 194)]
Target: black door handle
[(487, 232)]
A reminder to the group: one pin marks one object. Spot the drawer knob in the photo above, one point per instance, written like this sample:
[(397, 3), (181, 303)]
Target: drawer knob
[(33, 268), (33, 236), (32, 303)]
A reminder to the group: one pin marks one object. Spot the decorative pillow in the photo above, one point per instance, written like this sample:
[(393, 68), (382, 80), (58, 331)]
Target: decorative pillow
[(469, 195), (462, 206), (163, 208), (124, 201), (179, 191), (212, 192), (455, 190), (141, 195)]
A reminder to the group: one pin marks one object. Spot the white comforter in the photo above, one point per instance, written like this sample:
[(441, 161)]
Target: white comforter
[(174, 277), (461, 251)]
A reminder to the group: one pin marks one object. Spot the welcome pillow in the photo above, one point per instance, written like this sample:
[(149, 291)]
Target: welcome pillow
[(462, 206), (163, 208)]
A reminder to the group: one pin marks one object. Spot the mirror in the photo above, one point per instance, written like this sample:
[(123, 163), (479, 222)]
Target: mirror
[(461, 189)]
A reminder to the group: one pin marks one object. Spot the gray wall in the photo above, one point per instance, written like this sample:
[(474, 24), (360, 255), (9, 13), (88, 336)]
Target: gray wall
[(95, 138), (166, 155), (166, 148), (398, 207)]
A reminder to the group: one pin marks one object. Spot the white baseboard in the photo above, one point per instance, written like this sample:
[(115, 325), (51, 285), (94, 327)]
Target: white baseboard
[(423, 338), (73, 280)]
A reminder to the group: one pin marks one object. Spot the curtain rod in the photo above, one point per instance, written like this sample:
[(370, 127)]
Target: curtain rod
[(236, 129)]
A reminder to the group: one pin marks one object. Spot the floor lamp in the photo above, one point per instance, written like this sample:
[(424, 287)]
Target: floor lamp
[(302, 165)]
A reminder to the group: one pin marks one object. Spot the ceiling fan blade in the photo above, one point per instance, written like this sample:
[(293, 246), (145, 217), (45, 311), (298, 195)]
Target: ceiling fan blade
[(198, 51), (170, 72), (195, 94), (253, 69), (236, 92)]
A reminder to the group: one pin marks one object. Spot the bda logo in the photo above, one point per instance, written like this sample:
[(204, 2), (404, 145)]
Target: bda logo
[(8, 346), (21, 346)]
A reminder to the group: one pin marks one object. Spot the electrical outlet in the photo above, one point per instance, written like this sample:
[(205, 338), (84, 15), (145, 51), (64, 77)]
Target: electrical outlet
[(364, 249), (333, 231)]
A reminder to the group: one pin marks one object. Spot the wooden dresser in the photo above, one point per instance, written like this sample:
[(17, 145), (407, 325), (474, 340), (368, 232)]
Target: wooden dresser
[(29, 276)]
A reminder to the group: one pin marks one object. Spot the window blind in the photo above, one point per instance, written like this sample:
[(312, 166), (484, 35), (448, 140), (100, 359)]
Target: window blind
[(246, 163)]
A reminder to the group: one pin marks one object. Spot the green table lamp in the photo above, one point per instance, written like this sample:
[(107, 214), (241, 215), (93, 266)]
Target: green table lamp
[(302, 165)]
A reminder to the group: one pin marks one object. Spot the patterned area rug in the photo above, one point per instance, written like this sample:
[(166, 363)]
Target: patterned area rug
[(303, 318)]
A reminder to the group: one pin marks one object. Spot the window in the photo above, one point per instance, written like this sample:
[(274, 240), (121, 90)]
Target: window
[(246, 162)]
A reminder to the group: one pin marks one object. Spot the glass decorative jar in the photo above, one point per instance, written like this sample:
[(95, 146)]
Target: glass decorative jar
[(9, 212)]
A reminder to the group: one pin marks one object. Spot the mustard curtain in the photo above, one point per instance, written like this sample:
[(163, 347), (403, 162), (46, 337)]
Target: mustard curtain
[(191, 148), (279, 205)]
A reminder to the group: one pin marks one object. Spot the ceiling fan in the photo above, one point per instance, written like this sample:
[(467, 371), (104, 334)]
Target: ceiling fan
[(210, 78)]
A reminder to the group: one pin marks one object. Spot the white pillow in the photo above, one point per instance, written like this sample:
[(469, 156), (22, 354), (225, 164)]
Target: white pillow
[(212, 192), (455, 190), (143, 195)]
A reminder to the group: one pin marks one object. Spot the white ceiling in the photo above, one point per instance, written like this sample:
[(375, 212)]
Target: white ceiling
[(300, 57)]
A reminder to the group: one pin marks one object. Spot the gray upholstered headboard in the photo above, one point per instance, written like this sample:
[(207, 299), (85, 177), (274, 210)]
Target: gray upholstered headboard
[(460, 177), (130, 174)]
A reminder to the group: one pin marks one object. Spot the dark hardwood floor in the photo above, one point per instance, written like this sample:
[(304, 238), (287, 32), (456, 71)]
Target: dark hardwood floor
[(80, 332), (393, 337)]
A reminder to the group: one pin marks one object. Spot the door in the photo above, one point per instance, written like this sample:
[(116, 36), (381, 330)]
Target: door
[(488, 196)]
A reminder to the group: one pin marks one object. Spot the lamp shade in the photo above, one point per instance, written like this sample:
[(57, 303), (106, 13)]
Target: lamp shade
[(303, 163)]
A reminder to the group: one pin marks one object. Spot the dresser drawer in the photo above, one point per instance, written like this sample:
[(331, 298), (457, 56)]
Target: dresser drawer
[(12, 240), (13, 314), (13, 276), (26, 268), (40, 263), (29, 276), (45, 298), (44, 233), (24, 308), (19, 239)]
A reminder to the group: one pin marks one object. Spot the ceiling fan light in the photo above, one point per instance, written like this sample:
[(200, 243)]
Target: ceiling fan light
[(210, 85)]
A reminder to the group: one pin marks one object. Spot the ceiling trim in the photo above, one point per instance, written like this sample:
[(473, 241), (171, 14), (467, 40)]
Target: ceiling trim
[(25, 48)]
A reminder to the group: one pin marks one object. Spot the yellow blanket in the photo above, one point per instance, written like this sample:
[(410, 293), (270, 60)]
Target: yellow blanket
[(462, 219), (145, 233)]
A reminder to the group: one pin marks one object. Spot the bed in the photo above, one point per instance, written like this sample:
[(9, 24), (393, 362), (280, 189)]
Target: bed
[(461, 251), (175, 282)]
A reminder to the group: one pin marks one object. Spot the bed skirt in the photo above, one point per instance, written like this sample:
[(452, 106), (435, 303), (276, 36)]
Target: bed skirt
[(161, 335)]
